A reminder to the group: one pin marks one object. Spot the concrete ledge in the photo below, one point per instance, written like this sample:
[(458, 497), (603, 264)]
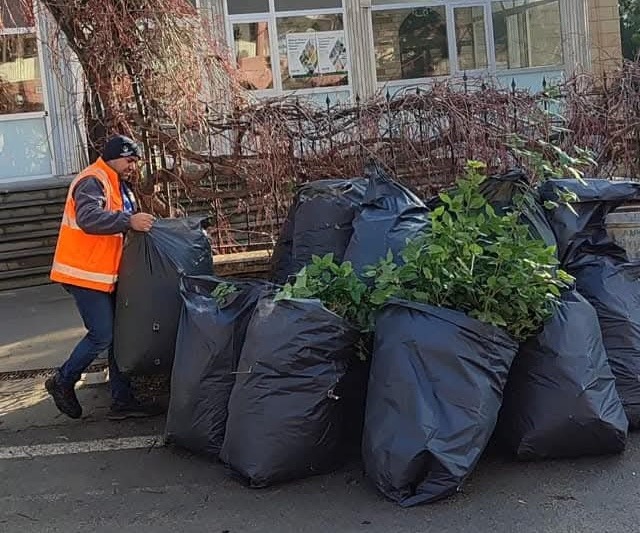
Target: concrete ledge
[(244, 264)]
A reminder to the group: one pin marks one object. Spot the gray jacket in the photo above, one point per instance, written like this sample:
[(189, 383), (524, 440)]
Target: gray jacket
[(91, 215)]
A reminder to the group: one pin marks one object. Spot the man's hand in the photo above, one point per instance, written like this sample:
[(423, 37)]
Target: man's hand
[(142, 222)]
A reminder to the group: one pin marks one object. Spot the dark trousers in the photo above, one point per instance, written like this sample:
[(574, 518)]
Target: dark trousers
[(97, 312)]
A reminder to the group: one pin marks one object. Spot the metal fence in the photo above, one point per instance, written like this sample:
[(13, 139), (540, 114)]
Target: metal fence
[(243, 171)]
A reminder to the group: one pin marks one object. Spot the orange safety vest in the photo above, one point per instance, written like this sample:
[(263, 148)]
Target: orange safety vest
[(82, 259)]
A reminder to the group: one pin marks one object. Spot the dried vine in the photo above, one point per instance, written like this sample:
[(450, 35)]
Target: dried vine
[(425, 138), (151, 68)]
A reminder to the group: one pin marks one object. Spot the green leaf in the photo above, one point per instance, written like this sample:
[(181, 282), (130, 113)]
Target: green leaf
[(576, 174), (477, 202), (445, 198), (223, 292)]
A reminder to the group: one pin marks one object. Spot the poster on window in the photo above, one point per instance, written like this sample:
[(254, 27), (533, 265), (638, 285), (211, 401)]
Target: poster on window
[(313, 54)]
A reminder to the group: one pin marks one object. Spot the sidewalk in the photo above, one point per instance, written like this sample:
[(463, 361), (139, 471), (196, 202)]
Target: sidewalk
[(39, 328), (28, 416)]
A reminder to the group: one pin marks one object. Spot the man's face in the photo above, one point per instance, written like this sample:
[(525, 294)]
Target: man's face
[(125, 167)]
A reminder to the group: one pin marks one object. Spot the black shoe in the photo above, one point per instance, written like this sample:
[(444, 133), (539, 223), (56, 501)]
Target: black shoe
[(133, 409), (64, 397)]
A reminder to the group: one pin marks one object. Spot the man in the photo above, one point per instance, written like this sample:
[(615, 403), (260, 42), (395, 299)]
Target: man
[(100, 209)]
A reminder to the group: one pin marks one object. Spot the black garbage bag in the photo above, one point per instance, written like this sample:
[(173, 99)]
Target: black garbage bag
[(282, 257), (596, 199), (210, 339), (434, 395), (613, 288), (148, 299), (391, 216), (319, 223), (285, 416), (560, 399)]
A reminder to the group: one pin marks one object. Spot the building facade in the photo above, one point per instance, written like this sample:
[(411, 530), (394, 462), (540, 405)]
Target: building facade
[(324, 50), (395, 45)]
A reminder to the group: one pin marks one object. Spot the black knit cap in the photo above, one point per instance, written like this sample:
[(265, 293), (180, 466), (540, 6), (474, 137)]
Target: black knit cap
[(120, 146)]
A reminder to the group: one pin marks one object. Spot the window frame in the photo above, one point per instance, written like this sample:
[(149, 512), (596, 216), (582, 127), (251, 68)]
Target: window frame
[(271, 18), (454, 71)]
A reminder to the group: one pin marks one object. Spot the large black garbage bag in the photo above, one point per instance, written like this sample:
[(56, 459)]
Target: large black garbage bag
[(560, 399), (391, 215), (210, 339), (596, 199), (285, 416), (282, 257), (435, 390), (319, 223), (148, 299), (613, 288)]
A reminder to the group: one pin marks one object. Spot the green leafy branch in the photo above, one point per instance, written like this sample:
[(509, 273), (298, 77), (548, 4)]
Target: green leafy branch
[(547, 160), (337, 286), (476, 261)]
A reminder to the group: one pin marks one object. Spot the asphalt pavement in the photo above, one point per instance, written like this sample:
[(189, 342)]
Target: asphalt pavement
[(157, 489), (92, 475)]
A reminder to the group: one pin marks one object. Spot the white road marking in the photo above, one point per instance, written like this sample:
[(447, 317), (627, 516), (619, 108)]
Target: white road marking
[(114, 490), (89, 446)]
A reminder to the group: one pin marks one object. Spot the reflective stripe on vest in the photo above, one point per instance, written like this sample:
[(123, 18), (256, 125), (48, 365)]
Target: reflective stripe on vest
[(84, 274), (68, 221), (72, 224), (101, 176)]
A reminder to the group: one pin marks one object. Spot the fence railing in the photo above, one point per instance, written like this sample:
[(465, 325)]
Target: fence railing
[(243, 171)]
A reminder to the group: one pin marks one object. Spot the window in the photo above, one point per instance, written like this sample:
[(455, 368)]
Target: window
[(290, 45), (297, 5), (527, 33), (471, 39), (236, 7), (24, 146), (411, 43), (12, 16), (312, 52), (20, 79), (419, 39), (253, 54)]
